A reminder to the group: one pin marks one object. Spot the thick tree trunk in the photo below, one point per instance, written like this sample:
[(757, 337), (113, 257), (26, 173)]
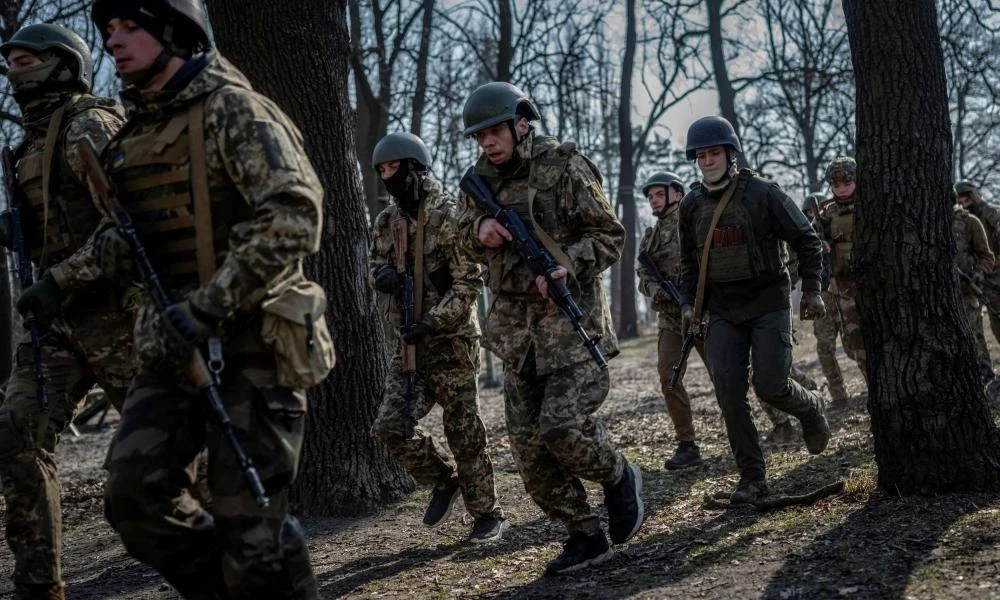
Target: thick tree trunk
[(372, 110), (931, 425), (727, 94), (423, 54), (343, 471), (505, 45), (627, 321)]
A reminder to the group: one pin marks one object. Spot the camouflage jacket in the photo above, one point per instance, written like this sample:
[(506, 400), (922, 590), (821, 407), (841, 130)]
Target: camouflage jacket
[(569, 204), (266, 199), (451, 281), (972, 250), (989, 216), (661, 241)]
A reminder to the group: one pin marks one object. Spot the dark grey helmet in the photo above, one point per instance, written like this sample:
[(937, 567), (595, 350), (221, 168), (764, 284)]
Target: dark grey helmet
[(43, 37), (400, 146), (711, 131), (494, 103), (663, 179), (190, 25), (966, 187)]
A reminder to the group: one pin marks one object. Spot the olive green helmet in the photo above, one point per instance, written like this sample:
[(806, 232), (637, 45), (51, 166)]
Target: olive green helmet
[(842, 168), (400, 146), (813, 200), (46, 37), (182, 26), (707, 132), (494, 103), (663, 179), (966, 187)]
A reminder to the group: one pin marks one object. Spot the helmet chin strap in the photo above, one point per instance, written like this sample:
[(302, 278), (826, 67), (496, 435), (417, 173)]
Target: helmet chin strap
[(141, 79)]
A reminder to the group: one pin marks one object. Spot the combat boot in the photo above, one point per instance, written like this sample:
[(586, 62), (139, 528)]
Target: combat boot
[(687, 455), (838, 397), (44, 591), (815, 428), (749, 491)]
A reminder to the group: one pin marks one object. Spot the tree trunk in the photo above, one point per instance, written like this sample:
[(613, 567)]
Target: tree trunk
[(627, 321), (343, 471), (505, 45), (372, 110), (931, 425), (727, 94), (423, 54)]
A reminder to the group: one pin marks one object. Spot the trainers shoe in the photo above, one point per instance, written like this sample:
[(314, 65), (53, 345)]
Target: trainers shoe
[(625, 511), (579, 552), (782, 433), (816, 429), (487, 529), (442, 499), (748, 491), (687, 455)]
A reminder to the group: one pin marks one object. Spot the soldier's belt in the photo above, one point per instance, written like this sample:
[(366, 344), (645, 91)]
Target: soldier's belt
[(516, 297)]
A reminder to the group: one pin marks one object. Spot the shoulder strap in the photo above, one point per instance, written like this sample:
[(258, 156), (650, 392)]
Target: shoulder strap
[(51, 141), (550, 244), (418, 262), (699, 299), (204, 244)]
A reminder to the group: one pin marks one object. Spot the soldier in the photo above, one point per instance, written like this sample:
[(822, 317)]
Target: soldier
[(86, 334), (974, 261), (664, 191), (552, 387), (227, 204), (971, 200), (731, 228), (838, 230), (446, 334)]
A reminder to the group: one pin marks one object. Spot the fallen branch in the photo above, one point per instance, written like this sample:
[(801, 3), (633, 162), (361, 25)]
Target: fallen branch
[(720, 500)]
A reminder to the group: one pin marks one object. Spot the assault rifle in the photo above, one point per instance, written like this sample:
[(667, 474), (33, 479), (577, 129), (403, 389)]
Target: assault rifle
[(24, 273), (407, 318), (539, 260), (668, 286), (197, 369)]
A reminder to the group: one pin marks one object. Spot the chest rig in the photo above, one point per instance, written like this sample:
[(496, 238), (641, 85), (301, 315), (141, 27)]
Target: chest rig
[(841, 238)]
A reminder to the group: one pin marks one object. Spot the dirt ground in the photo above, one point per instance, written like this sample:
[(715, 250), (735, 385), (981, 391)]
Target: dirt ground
[(860, 544)]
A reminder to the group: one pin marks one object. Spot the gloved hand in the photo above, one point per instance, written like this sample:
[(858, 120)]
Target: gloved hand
[(114, 256), (811, 306), (43, 300), (386, 279), (421, 330), (6, 231), (687, 319), (185, 325)]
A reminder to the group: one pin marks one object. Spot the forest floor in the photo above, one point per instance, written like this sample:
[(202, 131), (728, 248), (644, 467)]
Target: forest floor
[(859, 544)]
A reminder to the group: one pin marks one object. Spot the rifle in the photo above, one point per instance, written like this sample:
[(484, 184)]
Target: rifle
[(407, 317), (197, 369), (668, 286), (24, 273), (539, 260)]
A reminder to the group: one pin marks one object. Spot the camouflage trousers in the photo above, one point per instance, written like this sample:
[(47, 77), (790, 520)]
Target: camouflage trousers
[(556, 440), (74, 358), (767, 342), (826, 329), (974, 314), (991, 289), (240, 550), (449, 378), (854, 344)]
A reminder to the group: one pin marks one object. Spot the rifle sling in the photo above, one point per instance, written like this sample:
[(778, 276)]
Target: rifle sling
[(699, 299), (550, 244), (51, 140)]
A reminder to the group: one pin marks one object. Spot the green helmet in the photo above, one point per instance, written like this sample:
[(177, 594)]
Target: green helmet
[(45, 37), (494, 103), (664, 179), (400, 146), (711, 131), (812, 201), (966, 187), (842, 168), (180, 25)]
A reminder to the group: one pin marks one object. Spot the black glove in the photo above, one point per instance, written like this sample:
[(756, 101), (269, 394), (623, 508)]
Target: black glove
[(421, 330), (187, 324), (6, 230), (43, 300), (386, 279)]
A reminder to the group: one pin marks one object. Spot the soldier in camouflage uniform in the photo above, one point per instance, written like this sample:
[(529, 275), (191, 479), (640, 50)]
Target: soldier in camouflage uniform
[(971, 200), (552, 387), (227, 204), (837, 220), (731, 227), (446, 336), (86, 334), (975, 261)]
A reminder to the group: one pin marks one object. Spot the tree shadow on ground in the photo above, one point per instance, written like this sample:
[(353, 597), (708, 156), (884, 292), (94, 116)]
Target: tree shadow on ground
[(117, 574)]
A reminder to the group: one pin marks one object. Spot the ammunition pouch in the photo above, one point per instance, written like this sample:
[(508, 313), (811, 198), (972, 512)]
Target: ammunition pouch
[(294, 325)]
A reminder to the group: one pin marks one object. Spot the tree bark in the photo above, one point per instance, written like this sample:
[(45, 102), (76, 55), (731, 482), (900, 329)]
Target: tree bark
[(727, 94), (423, 55), (932, 429), (505, 45), (343, 470), (627, 320), (373, 106)]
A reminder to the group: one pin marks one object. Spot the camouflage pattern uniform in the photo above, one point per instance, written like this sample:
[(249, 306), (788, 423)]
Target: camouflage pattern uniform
[(447, 359), (989, 216), (837, 219), (88, 343), (266, 216), (974, 258), (827, 328), (552, 388)]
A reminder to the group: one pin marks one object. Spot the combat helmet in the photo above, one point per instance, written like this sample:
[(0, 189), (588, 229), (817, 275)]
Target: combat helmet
[(494, 103), (400, 146), (664, 179), (711, 131), (966, 187), (46, 37), (182, 26), (842, 168)]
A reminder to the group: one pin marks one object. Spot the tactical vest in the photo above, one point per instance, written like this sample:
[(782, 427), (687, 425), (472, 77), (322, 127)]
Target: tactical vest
[(71, 216), (964, 257), (842, 239), (154, 173)]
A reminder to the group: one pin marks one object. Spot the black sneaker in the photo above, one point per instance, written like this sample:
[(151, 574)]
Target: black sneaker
[(687, 455), (487, 529), (579, 552), (442, 498), (749, 491), (625, 511)]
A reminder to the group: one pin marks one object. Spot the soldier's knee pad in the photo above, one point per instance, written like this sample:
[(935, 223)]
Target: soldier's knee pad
[(12, 436)]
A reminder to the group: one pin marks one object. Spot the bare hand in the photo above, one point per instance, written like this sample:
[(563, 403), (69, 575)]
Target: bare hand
[(811, 307), (492, 234), (543, 285)]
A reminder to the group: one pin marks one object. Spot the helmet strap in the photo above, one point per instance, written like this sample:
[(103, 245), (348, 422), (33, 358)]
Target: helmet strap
[(141, 79)]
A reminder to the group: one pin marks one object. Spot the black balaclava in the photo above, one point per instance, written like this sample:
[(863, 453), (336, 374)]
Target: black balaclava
[(405, 185)]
